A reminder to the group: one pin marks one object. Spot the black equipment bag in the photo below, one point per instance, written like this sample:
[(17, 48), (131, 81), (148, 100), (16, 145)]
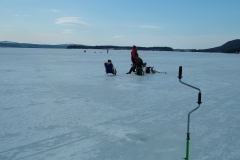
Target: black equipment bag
[(148, 69)]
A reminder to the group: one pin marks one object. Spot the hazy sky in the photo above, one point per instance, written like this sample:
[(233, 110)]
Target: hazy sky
[(174, 23)]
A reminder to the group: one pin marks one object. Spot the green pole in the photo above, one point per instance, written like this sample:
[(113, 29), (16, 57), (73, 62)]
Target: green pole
[(187, 150)]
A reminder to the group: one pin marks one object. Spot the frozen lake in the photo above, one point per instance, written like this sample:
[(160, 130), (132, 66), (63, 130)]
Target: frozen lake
[(58, 104)]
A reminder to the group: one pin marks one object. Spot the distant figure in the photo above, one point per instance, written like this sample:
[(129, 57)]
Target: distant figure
[(139, 61), (107, 50), (84, 50), (133, 59), (138, 64), (109, 67), (133, 56)]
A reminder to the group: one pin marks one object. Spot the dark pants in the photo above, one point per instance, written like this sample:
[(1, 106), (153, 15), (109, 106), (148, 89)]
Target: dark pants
[(133, 68), (133, 60)]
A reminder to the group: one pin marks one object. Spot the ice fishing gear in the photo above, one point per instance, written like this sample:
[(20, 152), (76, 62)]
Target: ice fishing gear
[(161, 72), (199, 102), (139, 71), (148, 69), (151, 70)]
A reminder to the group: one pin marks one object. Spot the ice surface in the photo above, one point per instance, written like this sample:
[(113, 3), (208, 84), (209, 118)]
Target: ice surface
[(58, 104)]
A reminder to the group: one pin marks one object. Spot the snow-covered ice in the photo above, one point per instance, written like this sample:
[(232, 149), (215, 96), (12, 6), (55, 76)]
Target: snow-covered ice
[(58, 104)]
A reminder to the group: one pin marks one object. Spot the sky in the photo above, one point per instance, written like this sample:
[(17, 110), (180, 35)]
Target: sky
[(178, 24)]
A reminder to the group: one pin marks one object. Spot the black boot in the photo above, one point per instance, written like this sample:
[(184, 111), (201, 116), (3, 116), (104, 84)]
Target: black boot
[(130, 71)]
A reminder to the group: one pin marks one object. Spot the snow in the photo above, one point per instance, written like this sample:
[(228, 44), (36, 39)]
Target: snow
[(58, 104)]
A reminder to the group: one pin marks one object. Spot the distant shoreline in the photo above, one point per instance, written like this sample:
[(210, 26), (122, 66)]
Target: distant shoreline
[(229, 47)]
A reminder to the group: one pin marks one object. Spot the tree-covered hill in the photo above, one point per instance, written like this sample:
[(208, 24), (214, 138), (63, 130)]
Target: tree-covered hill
[(229, 47)]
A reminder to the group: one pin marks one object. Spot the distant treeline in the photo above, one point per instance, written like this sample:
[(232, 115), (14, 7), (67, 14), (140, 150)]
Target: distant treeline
[(236, 50), (120, 48), (229, 47), (233, 50), (29, 45)]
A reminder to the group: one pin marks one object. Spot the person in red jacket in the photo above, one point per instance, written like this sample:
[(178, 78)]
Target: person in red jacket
[(133, 54), (133, 58)]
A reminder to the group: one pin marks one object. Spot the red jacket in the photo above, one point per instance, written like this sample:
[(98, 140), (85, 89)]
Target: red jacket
[(133, 53)]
